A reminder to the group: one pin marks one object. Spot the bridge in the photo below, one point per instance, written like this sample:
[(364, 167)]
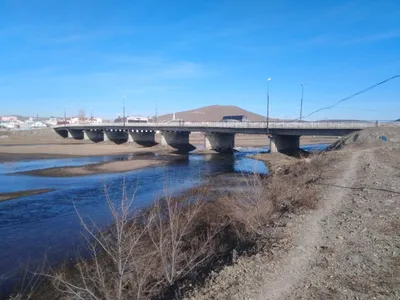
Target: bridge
[(219, 136)]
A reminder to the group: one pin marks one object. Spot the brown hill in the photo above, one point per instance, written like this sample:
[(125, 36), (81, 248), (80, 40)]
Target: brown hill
[(211, 113)]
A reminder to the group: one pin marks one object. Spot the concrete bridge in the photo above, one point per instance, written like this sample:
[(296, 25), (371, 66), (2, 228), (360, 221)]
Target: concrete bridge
[(220, 136)]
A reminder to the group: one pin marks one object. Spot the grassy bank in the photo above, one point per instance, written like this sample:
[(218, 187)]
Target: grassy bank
[(173, 246)]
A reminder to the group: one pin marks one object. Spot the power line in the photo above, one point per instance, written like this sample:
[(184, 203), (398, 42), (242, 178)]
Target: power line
[(349, 97)]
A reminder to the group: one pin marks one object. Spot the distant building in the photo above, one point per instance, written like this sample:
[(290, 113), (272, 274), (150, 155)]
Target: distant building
[(51, 121), (62, 122), (239, 118), (9, 125), (132, 120), (137, 120), (29, 121), (9, 119), (74, 120), (96, 120), (119, 120), (38, 124)]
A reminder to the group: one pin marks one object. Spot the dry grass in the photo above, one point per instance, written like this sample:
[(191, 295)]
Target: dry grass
[(264, 200), (158, 253)]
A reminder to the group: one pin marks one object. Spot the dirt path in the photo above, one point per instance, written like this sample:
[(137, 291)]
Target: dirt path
[(359, 254), (286, 273), (349, 248)]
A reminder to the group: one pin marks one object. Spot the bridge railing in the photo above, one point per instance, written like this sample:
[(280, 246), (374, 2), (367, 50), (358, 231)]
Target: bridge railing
[(249, 125), (271, 125)]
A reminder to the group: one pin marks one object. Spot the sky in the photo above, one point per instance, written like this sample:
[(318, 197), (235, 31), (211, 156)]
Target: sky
[(178, 55)]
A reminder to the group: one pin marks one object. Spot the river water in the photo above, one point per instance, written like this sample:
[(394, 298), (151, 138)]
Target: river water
[(46, 226)]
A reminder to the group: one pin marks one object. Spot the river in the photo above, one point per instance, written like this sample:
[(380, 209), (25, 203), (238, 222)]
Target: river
[(46, 226)]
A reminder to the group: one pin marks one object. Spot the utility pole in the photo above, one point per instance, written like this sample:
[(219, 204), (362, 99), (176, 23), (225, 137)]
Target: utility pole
[(123, 110), (269, 79), (301, 102)]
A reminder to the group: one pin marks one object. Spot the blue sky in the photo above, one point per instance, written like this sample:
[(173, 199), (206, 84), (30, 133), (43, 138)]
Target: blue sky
[(186, 54)]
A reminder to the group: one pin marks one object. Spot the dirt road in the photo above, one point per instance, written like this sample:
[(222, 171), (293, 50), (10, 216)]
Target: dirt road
[(348, 248)]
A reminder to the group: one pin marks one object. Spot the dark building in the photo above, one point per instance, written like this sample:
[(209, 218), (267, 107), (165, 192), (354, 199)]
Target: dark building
[(239, 118), (119, 120)]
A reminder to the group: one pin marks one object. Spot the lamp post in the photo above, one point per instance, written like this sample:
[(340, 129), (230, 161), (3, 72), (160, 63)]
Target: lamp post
[(301, 102), (156, 111), (123, 110), (269, 79), (65, 115)]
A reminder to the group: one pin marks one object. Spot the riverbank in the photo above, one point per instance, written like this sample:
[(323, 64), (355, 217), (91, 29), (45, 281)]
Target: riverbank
[(275, 161), (347, 247)]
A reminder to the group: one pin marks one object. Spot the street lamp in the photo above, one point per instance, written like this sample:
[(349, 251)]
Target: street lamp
[(123, 110), (156, 111), (301, 103), (65, 115), (269, 79)]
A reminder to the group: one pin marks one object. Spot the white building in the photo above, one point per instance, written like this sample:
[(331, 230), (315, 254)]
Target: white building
[(137, 119), (51, 121), (38, 124), (94, 120), (30, 121), (74, 120)]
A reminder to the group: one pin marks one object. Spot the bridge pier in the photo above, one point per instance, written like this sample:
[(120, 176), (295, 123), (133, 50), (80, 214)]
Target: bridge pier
[(178, 140), (93, 135), (64, 133), (116, 136), (220, 142), (143, 138), (76, 134), (281, 143)]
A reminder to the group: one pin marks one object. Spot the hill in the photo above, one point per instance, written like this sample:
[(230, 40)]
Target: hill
[(211, 113)]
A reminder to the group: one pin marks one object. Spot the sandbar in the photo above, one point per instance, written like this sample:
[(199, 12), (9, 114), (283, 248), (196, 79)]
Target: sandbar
[(109, 167)]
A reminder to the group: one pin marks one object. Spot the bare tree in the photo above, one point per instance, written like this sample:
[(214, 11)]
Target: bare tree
[(116, 269), (180, 240)]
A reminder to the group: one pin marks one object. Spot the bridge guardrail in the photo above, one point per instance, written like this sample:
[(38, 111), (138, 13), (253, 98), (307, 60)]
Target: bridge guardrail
[(239, 125)]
